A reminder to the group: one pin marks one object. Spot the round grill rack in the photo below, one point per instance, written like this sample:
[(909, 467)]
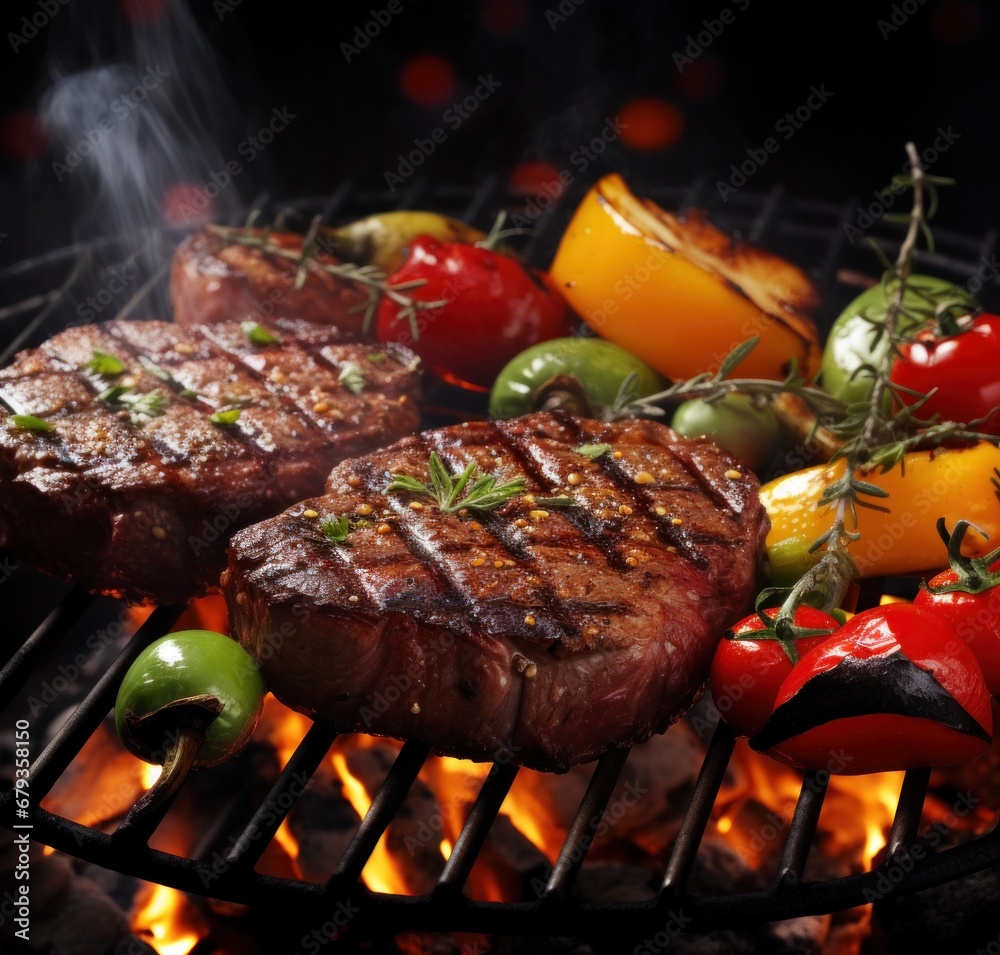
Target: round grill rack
[(49, 290)]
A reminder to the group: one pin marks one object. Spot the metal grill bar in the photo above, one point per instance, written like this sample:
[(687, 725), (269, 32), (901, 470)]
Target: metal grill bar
[(80, 726), (55, 626), (470, 840), (908, 810), (382, 811), (713, 770), (585, 823), (803, 827)]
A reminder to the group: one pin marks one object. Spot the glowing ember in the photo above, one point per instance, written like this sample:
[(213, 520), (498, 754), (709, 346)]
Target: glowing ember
[(169, 922), (150, 773), (446, 848)]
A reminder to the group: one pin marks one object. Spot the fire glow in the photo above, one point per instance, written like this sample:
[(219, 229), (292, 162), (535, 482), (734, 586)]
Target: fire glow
[(751, 816)]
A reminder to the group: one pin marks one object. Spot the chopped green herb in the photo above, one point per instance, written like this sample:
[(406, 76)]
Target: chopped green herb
[(150, 405), (225, 417), (352, 377), (114, 394), (377, 356), (336, 529), (105, 365), (188, 393), (155, 370), (258, 335), (483, 493), (561, 501), (30, 422), (593, 451)]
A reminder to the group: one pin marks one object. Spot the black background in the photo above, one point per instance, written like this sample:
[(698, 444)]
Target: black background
[(563, 68)]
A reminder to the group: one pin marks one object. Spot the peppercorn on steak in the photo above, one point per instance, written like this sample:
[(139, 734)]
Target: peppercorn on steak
[(134, 450), (540, 590)]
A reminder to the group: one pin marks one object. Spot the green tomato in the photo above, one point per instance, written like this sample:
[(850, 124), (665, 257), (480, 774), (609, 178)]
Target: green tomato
[(851, 342), (187, 664), (593, 365), (733, 423)]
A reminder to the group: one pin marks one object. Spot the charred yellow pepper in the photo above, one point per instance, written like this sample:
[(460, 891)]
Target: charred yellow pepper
[(679, 294), (953, 483)]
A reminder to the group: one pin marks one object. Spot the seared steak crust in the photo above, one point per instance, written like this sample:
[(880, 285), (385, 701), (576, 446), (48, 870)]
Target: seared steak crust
[(543, 634), (141, 507), (214, 279)]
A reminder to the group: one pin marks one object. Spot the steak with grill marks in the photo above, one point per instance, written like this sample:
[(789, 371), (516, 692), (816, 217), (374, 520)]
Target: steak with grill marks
[(540, 633), (177, 438), (216, 279)]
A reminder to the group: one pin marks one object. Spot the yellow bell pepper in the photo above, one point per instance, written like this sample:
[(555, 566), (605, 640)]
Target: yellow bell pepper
[(953, 483), (679, 294)]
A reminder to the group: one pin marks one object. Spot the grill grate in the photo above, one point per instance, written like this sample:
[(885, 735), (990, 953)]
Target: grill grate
[(806, 231)]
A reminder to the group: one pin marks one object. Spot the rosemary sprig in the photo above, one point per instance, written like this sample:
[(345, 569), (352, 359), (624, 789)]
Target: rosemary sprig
[(373, 279), (471, 489)]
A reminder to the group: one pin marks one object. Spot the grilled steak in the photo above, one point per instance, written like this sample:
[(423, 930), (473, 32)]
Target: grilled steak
[(536, 632), (137, 488), (216, 279)]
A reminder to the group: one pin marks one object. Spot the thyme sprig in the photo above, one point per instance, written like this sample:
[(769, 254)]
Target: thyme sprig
[(307, 259), (872, 437), (714, 387), (471, 489)]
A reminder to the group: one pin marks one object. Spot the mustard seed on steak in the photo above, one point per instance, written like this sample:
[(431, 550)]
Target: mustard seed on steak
[(543, 633), (175, 438)]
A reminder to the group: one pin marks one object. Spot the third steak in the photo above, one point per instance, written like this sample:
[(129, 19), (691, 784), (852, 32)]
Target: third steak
[(544, 632)]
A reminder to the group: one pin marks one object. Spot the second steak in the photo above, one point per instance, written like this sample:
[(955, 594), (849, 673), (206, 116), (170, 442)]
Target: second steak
[(540, 631)]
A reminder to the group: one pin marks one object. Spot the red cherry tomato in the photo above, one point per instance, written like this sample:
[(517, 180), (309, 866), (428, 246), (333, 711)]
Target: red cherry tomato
[(495, 307), (895, 688), (967, 597), (963, 367), (746, 674)]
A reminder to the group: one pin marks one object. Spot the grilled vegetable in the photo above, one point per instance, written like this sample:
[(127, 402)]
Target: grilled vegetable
[(967, 597), (677, 293), (191, 699), (582, 375), (895, 688), (381, 239), (956, 483), (735, 423), (855, 341), (491, 308), (959, 373), (753, 659)]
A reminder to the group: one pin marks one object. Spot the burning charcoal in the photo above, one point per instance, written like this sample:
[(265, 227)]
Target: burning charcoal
[(612, 882), (960, 915), (323, 823), (81, 920)]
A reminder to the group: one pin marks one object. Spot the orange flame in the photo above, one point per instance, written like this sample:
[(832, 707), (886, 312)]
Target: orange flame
[(169, 922)]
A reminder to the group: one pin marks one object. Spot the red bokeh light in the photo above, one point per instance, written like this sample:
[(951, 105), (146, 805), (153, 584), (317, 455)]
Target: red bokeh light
[(503, 16), (532, 176), (955, 21), (649, 124), (185, 204), (702, 79), (140, 12), (427, 79), (22, 135)]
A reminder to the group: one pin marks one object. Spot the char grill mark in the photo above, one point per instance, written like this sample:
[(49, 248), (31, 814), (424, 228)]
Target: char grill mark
[(446, 546)]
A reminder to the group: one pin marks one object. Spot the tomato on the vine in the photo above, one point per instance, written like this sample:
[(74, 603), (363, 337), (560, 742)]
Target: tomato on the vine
[(961, 368), (492, 308), (895, 688), (967, 596), (751, 661)]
